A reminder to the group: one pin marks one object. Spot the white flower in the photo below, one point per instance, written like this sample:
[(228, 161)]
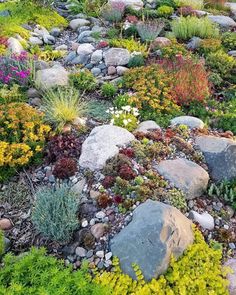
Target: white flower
[(112, 121), (125, 122)]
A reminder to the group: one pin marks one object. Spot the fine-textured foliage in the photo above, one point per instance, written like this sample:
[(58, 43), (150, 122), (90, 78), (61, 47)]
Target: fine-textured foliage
[(185, 28), (130, 44), (108, 90), (196, 4), (55, 211), (165, 11), (229, 40), (148, 31), (83, 81), (198, 271), (65, 168), (37, 273), (62, 106)]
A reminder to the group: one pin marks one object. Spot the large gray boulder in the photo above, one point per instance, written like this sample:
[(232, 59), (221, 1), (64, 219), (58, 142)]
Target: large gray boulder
[(220, 155), (191, 122), (156, 232), (185, 175), (232, 7), (117, 57), (102, 144), (55, 76), (222, 20)]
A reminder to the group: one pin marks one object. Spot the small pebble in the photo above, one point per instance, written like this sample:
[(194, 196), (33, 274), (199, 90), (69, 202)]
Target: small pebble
[(84, 223), (100, 254), (108, 255), (80, 251), (89, 254), (232, 246), (100, 215)]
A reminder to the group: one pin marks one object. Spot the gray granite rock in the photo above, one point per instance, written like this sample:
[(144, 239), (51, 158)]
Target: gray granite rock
[(222, 20), (55, 76), (156, 232), (102, 144), (186, 175), (220, 155), (146, 126), (232, 276), (77, 23), (14, 45), (117, 57), (191, 122)]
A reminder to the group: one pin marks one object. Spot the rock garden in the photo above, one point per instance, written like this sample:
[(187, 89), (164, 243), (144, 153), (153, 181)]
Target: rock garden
[(118, 147)]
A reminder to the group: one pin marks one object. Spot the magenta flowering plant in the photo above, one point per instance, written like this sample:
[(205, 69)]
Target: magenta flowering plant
[(15, 69)]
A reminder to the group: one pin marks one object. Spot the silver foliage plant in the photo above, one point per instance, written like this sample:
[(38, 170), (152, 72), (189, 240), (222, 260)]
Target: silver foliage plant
[(55, 213)]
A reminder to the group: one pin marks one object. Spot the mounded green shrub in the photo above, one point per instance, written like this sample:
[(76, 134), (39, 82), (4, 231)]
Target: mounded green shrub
[(185, 28), (2, 245), (34, 273)]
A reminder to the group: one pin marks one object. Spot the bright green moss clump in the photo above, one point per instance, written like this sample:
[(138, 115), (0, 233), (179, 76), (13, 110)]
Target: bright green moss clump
[(198, 271), (22, 13)]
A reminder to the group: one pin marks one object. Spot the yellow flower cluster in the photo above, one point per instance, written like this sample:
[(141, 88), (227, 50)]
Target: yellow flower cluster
[(131, 45), (22, 134), (198, 271), (151, 89)]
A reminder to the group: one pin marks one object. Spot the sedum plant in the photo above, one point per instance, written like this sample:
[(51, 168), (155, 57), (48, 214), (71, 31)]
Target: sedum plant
[(62, 106), (83, 80), (185, 28), (198, 271), (196, 4), (37, 273), (55, 211)]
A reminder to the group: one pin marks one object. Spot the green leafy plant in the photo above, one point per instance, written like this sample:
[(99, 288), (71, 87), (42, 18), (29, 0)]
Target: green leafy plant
[(130, 44), (55, 211), (35, 272), (177, 199), (62, 106), (83, 81), (229, 40), (108, 90), (165, 11), (13, 93), (225, 189), (185, 28), (136, 60), (196, 4), (221, 63), (209, 45)]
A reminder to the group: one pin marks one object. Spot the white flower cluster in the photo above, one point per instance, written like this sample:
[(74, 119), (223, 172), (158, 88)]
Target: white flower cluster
[(125, 111)]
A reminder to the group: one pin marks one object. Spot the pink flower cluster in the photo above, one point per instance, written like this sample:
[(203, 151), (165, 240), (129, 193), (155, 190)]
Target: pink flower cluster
[(15, 69)]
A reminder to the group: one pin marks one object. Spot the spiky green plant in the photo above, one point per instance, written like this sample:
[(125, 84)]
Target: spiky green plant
[(62, 106)]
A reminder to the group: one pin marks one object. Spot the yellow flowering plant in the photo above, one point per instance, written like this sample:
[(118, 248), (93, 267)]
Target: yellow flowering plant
[(197, 271), (22, 136)]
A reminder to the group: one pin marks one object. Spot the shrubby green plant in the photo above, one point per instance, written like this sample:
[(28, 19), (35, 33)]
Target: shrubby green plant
[(108, 90), (225, 189), (229, 40), (13, 93), (55, 212), (209, 45), (83, 80), (165, 11), (37, 273), (221, 63), (27, 12), (185, 28), (121, 100), (97, 109), (136, 61), (62, 106), (196, 4)]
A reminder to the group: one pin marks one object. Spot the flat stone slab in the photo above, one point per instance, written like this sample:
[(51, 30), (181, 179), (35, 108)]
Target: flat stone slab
[(220, 155), (102, 144), (156, 232), (185, 175), (191, 122)]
